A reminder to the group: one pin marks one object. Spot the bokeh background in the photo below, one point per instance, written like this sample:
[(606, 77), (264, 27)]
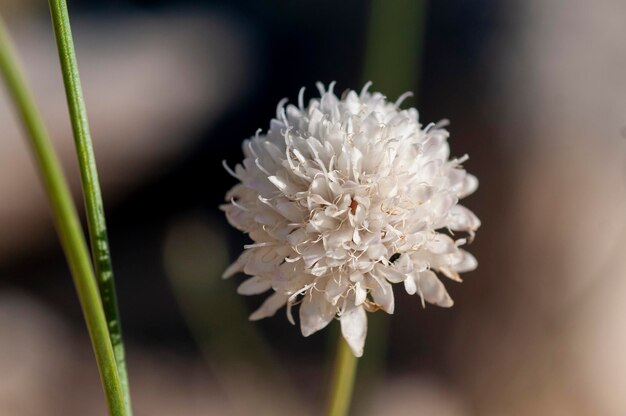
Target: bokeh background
[(536, 95)]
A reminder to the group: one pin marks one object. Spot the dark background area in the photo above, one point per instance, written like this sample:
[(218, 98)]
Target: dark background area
[(504, 74)]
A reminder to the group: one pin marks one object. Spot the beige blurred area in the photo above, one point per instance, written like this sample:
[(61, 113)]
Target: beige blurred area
[(150, 82), (48, 369), (546, 333)]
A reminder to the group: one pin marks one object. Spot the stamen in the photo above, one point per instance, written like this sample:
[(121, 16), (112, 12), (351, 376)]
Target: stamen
[(353, 206)]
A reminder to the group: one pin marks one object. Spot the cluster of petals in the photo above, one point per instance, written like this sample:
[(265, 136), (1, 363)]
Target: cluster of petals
[(342, 198)]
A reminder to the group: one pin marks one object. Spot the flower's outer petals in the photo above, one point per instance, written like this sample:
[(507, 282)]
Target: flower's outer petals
[(467, 263), (315, 313), (261, 260), (410, 284), (450, 273), (254, 286), (462, 219), (440, 204), (237, 266), (433, 290), (354, 327), (382, 294), (441, 244), (470, 184), (269, 307)]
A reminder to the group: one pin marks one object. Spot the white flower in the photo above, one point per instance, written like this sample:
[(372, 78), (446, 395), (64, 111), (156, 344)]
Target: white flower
[(342, 198)]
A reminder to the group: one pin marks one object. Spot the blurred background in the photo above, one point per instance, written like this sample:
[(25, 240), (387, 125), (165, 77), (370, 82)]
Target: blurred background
[(536, 95)]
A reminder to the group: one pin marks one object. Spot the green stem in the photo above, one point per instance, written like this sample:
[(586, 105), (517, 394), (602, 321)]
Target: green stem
[(394, 45), (96, 222), (67, 223), (342, 384)]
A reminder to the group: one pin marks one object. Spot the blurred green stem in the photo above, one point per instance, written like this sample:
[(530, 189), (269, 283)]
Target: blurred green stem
[(342, 384), (67, 223), (96, 222), (394, 45)]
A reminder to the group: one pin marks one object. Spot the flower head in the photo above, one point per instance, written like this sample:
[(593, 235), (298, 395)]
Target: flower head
[(342, 198)]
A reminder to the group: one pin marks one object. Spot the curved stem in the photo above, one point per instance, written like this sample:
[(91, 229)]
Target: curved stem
[(67, 223), (96, 222), (344, 373)]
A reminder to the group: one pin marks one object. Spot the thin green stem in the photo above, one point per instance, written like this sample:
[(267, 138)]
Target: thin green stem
[(66, 221), (342, 384), (91, 187), (394, 45)]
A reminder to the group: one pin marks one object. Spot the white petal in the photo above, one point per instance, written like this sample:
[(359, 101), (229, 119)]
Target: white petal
[(441, 203), (354, 328), (356, 161), (467, 264), (282, 184), (470, 184), (254, 286), (433, 290), (269, 307), (237, 266), (289, 210), (262, 260), (462, 219), (382, 293), (441, 244), (335, 287), (356, 277), (390, 273), (376, 251), (404, 265), (290, 314), (313, 254), (315, 313), (410, 285), (450, 273), (360, 294)]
